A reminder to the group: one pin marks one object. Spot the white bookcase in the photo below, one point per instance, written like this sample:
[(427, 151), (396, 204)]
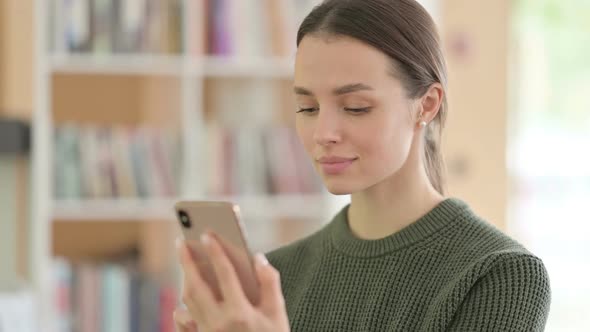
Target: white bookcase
[(191, 70)]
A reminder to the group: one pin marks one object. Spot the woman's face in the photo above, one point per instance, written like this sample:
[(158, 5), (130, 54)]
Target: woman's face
[(353, 117)]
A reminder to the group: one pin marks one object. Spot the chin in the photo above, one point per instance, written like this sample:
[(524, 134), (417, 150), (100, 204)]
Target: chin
[(339, 192), (339, 188)]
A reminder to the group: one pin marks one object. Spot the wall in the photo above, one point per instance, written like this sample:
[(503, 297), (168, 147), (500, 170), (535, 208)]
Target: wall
[(476, 43), (16, 58), (16, 101)]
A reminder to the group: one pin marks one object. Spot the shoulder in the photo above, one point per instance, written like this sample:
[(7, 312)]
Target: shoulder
[(495, 262), (510, 269), (511, 291), (487, 269), (471, 248), (474, 241)]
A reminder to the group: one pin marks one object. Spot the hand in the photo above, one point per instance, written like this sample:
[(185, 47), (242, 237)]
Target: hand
[(183, 321), (233, 312)]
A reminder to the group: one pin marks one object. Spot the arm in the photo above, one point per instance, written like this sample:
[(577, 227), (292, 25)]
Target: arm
[(513, 296)]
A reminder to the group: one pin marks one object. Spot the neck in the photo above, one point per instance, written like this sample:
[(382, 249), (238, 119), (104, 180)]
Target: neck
[(392, 204)]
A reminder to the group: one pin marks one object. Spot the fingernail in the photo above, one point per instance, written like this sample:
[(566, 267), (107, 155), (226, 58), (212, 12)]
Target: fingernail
[(178, 242), (261, 259), (205, 239)]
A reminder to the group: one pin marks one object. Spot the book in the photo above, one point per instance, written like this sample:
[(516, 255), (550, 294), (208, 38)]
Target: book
[(62, 292), (116, 162), (103, 26), (86, 296), (115, 288), (257, 161), (253, 28), (71, 162), (91, 181), (73, 32), (109, 296), (123, 170), (130, 25), (117, 26)]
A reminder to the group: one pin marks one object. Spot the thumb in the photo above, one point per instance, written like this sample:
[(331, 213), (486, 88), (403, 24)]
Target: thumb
[(271, 294), (184, 321)]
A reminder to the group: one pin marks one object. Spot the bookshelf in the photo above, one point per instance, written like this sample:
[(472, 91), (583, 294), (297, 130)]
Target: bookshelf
[(179, 77), (144, 81)]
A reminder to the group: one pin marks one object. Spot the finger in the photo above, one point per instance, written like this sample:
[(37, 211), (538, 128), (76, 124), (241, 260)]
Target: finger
[(184, 321), (227, 278), (271, 294), (188, 283), (197, 295)]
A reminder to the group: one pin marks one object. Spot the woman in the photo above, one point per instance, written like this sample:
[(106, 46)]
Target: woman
[(370, 83)]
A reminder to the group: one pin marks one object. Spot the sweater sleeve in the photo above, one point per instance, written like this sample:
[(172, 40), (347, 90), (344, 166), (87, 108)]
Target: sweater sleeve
[(513, 296)]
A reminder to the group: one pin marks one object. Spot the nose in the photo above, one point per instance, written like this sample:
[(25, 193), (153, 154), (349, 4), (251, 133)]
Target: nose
[(327, 129)]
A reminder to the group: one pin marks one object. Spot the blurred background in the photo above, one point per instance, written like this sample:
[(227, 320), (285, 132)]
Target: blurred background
[(112, 110)]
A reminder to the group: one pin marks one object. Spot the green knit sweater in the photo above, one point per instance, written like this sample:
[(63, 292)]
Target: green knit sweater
[(448, 271)]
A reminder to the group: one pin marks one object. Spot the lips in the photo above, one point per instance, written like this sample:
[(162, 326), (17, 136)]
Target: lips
[(335, 165)]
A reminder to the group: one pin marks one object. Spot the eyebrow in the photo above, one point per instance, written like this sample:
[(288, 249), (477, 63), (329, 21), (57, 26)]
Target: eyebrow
[(348, 88)]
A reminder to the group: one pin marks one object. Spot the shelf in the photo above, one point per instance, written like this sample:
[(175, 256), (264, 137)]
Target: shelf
[(138, 64), (274, 67), (120, 64), (293, 206), (255, 207), (113, 209)]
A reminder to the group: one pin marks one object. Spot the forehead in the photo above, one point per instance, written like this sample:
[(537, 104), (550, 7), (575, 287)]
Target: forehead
[(322, 61)]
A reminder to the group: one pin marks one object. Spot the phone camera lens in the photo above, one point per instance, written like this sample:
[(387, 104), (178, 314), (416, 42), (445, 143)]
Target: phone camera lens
[(184, 219)]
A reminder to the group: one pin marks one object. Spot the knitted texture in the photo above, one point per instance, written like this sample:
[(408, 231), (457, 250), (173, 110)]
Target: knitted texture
[(448, 271)]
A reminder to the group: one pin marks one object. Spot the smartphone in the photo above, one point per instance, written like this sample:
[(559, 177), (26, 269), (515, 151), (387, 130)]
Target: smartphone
[(224, 221)]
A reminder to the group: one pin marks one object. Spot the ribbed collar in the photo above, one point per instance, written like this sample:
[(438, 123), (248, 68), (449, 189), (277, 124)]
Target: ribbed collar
[(348, 243)]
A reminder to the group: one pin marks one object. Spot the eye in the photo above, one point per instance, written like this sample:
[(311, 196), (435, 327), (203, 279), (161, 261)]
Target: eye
[(358, 110), (307, 110)]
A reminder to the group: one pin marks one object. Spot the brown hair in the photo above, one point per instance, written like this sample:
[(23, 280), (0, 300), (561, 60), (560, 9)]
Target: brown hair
[(403, 30)]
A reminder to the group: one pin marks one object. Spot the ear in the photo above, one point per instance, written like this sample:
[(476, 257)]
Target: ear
[(430, 103)]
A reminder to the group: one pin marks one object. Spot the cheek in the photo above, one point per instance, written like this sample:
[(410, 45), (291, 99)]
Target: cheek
[(386, 143)]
